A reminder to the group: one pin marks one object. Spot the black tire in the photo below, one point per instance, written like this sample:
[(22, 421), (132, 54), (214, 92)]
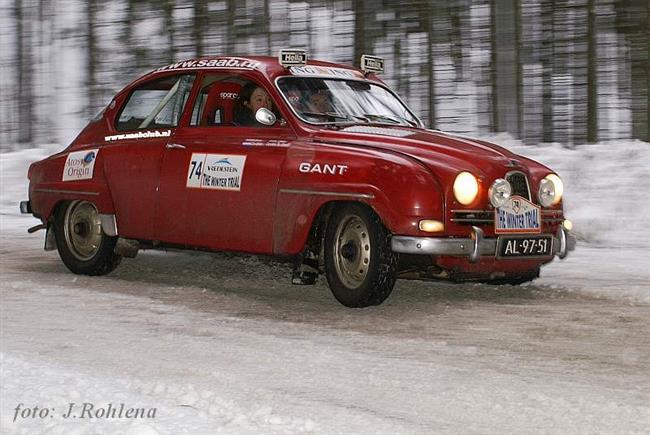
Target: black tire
[(359, 264), (82, 245)]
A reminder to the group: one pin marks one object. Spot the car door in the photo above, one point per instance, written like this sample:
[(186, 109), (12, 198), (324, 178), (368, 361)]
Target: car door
[(134, 150), (219, 180)]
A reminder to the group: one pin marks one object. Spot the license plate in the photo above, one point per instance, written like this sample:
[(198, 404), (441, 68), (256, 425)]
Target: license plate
[(524, 246), (517, 216)]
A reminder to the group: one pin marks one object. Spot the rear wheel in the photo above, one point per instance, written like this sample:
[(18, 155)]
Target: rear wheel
[(359, 264), (82, 245)]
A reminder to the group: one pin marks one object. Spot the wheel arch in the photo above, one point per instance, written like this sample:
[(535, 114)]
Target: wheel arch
[(399, 189), (47, 191), (311, 236)]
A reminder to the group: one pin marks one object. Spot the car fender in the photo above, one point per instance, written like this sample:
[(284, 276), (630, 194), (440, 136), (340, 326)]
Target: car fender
[(398, 188)]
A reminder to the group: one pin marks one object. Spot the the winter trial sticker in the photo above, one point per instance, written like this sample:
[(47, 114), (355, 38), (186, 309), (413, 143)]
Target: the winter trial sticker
[(80, 165), (215, 171), (517, 216)]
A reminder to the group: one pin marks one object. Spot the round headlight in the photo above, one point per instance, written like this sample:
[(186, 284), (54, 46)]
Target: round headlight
[(546, 192), (559, 187), (465, 188), (499, 192)]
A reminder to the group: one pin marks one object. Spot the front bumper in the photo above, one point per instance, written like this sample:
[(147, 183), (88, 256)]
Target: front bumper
[(474, 247)]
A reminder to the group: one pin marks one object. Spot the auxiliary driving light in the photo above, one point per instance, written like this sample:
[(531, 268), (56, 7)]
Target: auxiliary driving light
[(546, 192), (559, 187), (465, 188), (499, 192)]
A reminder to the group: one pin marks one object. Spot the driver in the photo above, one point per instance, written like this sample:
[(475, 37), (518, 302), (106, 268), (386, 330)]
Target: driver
[(251, 98)]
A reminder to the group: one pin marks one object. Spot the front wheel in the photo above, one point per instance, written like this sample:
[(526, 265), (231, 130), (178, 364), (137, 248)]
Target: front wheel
[(359, 264), (82, 245)]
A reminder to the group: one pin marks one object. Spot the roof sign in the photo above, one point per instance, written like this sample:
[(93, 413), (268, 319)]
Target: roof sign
[(292, 57), (315, 70), (372, 64)]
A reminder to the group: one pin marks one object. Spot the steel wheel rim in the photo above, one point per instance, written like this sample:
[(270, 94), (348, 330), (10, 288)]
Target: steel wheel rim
[(352, 251), (82, 229)]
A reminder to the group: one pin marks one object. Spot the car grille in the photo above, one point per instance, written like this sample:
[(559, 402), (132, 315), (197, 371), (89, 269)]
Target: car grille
[(520, 187), (519, 184), (486, 217), (473, 217)]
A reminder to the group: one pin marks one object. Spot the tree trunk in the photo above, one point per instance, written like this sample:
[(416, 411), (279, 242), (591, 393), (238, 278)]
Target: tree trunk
[(547, 70), (25, 82), (267, 24), (430, 68), (592, 84), (519, 71), (360, 35), (127, 38), (168, 22), (230, 25), (92, 58), (198, 28), (505, 66), (494, 118)]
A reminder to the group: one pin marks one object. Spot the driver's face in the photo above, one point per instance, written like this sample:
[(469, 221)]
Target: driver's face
[(259, 99)]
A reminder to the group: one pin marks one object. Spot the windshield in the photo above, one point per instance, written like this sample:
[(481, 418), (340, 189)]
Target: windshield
[(333, 101)]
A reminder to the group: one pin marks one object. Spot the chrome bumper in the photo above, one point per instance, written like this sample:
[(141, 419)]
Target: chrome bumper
[(473, 247)]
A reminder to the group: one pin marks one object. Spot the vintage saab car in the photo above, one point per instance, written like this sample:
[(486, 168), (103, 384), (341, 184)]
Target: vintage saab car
[(314, 162)]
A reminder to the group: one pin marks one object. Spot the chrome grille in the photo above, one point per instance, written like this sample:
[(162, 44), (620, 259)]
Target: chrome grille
[(485, 217), (473, 217), (519, 184)]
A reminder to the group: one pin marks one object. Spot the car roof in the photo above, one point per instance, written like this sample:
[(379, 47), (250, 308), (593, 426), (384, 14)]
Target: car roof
[(269, 66)]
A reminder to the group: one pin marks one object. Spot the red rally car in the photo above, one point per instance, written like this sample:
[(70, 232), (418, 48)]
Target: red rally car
[(315, 162)]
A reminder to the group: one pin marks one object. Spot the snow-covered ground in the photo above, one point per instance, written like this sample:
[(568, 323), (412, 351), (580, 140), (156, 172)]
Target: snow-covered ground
[(224, 344)]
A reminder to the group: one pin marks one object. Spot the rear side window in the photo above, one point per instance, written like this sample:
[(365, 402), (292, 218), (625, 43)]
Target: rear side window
[(156, 104)]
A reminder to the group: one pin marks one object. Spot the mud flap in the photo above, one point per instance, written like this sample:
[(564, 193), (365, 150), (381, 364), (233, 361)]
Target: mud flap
[(50, 240), (127, 247), (305, 269)]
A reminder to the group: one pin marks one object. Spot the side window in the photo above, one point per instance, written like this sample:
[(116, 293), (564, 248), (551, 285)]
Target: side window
[(215, 104), (229, 100), (156, 104)]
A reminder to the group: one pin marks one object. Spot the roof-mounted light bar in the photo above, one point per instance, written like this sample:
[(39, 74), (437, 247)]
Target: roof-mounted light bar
[(292, 57), (372, 64)]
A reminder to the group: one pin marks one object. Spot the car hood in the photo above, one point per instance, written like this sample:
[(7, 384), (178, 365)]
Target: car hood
[(441, 152)]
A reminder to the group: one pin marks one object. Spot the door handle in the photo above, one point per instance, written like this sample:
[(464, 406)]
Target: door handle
[(175, 146)]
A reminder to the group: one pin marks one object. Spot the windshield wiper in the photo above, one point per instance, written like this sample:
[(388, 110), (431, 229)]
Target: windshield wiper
[(336, 115), (376, 117)]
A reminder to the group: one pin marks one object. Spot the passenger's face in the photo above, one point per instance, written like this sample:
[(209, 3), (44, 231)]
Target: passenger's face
[(320, 103), (259, 98)]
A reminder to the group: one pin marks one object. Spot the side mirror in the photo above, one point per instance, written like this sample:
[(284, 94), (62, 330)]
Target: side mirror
[(265, 116)]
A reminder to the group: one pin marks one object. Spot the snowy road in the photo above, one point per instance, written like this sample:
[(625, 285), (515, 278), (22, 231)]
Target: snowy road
[(224, 344)]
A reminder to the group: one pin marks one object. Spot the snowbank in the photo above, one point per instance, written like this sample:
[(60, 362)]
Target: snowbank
[(607, 187)]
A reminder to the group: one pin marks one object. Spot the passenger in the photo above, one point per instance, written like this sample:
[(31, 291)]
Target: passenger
[(321, 102), (251, 99)]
